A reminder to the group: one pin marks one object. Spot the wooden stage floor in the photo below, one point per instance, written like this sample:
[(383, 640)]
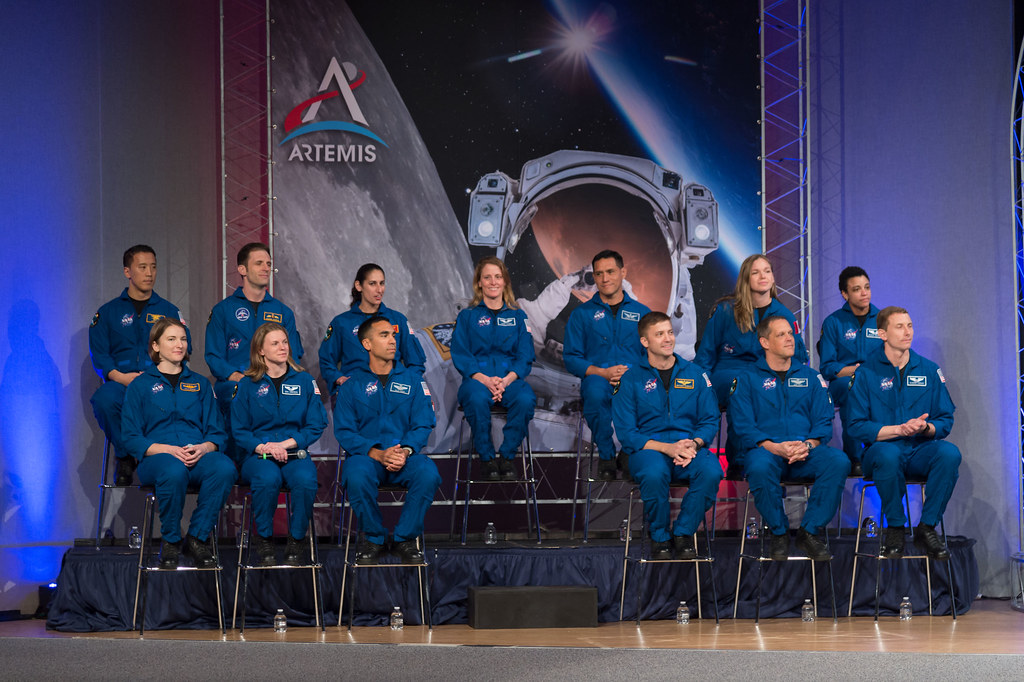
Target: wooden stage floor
[(991, 627)]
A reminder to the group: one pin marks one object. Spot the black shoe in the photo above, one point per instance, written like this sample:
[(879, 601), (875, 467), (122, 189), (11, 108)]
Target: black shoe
[(607, 470), (125, 472), (409, 552), (926, 538), (169, 554), (685, 546), (368, 553), (489, 470), (856, 469), (507, 468), (202, 557), (892, 543), (264, 549), (622, 461), (778, 550), (813, 547), (296, 552), (660, 551)]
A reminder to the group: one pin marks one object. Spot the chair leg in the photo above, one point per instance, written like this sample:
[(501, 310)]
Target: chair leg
[(345, 567), (532, 487), (625, 554), (244, 540), (455, 489), (856, 550), (103, 491), (316, 569), (147, 541)]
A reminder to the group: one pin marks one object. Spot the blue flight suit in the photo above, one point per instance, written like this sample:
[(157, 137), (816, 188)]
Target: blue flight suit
[(725, 352), (642, 410), (594, 336), (845, 341), (229, 332), (119, 339), (260, 415), (494, 343), (368, 415), (879, 397), (341, 352), (765, 407), (154, 412)]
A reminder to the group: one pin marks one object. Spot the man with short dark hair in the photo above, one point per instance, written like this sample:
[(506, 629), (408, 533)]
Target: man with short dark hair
[(119, 345), (601, 343), (234, 320), (900, 409), (847, 338), (665, 414), (782, 415), (382, 419)]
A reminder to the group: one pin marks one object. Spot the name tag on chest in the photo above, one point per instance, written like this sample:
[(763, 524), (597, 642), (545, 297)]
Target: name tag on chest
[(630, 316), (191, 388), (871, 333), (404, 389), (797, 382), (506, 321), (917, 381), (291, 389)]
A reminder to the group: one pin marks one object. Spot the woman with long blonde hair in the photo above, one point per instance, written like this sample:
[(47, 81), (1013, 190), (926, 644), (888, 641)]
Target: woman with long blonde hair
[(277, 412), (493, 351)]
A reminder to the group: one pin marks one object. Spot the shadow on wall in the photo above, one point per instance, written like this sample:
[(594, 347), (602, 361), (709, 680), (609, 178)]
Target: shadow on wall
[(30, 431)]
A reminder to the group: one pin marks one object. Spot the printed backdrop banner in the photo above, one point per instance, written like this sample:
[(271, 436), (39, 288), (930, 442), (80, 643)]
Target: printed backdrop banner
[(422, 136)]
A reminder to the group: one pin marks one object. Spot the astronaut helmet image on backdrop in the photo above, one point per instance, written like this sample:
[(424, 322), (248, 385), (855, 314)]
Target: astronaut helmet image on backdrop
[(569, 205)]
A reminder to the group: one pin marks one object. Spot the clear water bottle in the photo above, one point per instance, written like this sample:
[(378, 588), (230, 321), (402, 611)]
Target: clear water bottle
[(280, 621), (490, 534), (397, 619), (870, 528), (134, 538), (906, 609), (753, 529), (624, 530), (807, 611), (683, 614)]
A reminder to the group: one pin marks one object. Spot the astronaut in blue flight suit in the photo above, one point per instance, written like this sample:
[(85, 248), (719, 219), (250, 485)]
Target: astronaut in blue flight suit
[(729, 345), (341, 352), (119, 345), (383, 418), (782, 416), (900, 409), (277, 409), (493, 351), (171, 425), (601, 343), (665, 414), (848, 336), (234, 320)]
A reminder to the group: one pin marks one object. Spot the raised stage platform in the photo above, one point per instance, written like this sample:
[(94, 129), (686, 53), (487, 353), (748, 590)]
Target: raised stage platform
[(96, 587)]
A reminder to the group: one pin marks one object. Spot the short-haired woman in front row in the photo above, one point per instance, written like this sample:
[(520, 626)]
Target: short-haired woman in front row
[(170, 423), (277, 410)]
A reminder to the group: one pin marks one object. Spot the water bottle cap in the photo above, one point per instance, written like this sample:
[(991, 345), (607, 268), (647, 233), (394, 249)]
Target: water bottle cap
[(280, 610)]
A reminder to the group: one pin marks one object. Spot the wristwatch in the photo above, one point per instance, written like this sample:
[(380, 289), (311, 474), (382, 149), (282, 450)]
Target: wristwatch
[(809, 444), (699, 442)]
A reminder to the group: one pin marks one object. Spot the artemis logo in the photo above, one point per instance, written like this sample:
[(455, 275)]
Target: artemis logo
[(301, 120)]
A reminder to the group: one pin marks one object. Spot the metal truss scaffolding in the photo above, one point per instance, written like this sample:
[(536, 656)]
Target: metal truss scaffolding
[(1017, 131), (246, 182), (785, 155)]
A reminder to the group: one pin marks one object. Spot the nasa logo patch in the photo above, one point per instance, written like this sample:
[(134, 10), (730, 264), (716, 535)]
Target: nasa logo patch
[(650, 385), (263, 390), (769, 384), (483, 321), (371, 388), (157, 388), (886, 384), (233, 343), (599, 315), (726, 348), (850, 334), (127, 319)]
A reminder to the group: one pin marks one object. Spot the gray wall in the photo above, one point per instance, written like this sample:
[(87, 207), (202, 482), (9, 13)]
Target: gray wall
[(111, 138), (912, 152)]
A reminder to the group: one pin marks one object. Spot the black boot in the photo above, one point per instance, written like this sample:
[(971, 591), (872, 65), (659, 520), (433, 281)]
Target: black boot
[(296, 552), (685, 546), (368, 553), (409, 552), (202, 557), (778, 549), (264, 549), (170, 552), (489, 470), (507, 468), (125, 471), (607, 470), (813, 547), (926, 538), (892, 543)]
